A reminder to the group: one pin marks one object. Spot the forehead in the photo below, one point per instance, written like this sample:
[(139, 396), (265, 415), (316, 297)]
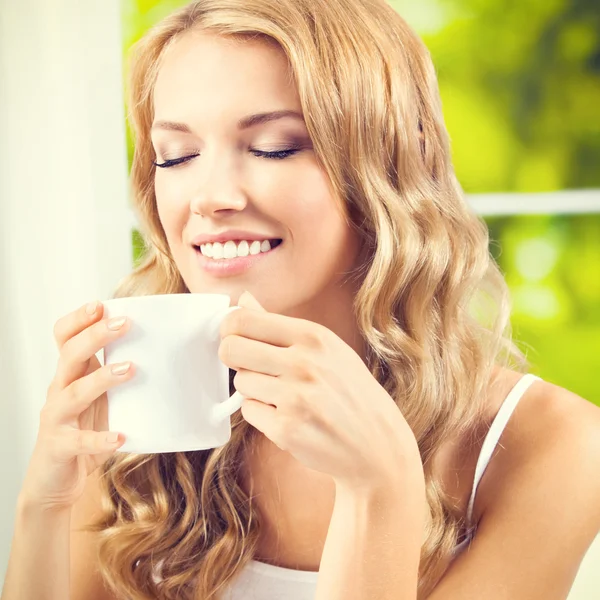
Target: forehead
[(207, 72)]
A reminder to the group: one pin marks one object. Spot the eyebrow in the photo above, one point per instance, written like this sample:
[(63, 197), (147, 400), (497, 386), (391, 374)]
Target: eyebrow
[(244, 123)]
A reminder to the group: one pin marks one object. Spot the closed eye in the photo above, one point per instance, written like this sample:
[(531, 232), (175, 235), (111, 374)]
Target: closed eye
[(275, 154), (173, 162)]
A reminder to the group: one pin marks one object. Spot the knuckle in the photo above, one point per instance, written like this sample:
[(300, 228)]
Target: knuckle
[(73, 392), (315, 337), (58, 331), (303, 368), (66, 352), (51, 389), (294, 402), (301, 410), (45, 413), (79, 441)]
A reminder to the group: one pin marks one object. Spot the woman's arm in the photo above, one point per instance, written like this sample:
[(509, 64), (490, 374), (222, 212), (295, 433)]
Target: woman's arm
[(374, 541), (38, 566), (543, 515), (544, 511), (51, 559)]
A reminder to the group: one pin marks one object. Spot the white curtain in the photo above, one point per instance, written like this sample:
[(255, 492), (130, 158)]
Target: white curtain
[(65, 226)]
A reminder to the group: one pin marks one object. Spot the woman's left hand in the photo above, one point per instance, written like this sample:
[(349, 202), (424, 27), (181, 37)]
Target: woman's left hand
[(314, 397)]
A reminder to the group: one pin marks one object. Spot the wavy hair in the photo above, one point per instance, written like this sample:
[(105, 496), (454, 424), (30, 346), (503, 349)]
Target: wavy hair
[(432, 304)]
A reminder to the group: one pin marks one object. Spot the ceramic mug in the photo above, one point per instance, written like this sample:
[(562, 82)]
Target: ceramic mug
[(178, 398)]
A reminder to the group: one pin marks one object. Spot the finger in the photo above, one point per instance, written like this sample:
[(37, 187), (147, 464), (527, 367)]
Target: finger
[(75, 442), (271, 328), (76, 352), (260, 415), (262, 388), (243, 353), (75, 322), (80, 395)]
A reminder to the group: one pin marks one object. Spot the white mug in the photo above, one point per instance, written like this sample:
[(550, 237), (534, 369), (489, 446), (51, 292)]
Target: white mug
[(178, 398)]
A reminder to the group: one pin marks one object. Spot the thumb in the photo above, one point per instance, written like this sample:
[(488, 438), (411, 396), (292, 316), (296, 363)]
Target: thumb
[(247, 300)]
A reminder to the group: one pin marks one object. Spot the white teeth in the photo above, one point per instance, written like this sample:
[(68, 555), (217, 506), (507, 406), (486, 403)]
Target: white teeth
[(255, 247), (231, 250)]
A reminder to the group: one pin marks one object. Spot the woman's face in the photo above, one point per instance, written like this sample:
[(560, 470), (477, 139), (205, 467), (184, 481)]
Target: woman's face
[(210, 83)]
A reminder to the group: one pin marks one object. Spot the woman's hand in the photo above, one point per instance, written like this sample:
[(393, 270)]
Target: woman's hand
[(314, 397), (72, 438)]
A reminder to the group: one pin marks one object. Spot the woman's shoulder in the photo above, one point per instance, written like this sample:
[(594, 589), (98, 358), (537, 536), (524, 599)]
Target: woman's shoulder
[(546, 414), (546, 418), (553, 433)]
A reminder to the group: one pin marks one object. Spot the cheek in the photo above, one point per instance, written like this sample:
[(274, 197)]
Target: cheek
[(319, 226), (170, 191), (161, 191), (316, 209), (169, 210)]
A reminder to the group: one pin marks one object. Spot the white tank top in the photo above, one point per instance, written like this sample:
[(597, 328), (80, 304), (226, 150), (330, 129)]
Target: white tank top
[(261, 581)]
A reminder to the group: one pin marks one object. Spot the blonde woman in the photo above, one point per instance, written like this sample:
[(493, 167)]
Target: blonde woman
[(392, 444)]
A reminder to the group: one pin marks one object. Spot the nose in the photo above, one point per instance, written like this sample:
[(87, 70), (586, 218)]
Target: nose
[(219, 188)]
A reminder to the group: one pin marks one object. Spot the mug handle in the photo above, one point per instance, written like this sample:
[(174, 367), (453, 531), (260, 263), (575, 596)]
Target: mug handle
[(226, 409)]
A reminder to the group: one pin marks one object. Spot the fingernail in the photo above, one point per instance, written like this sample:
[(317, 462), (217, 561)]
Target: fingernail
[(116, 323), (120, 369), (90, 309)]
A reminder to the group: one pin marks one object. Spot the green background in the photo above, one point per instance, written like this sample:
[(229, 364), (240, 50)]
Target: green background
[(520, 85)]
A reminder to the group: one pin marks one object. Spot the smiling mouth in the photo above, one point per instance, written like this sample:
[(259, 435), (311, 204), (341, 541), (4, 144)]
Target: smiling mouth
[(274, 244)]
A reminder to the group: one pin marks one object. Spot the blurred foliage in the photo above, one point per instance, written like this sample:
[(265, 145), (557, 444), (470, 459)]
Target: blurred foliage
[(552, 266), (520, 86)]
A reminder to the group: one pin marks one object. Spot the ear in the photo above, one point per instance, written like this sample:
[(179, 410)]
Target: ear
[(247, 300)]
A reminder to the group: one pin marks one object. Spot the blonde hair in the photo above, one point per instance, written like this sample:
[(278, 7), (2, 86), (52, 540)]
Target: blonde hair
[(432, 304)]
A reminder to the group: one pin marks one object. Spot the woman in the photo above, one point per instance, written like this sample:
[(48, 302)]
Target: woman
[(371, 369)]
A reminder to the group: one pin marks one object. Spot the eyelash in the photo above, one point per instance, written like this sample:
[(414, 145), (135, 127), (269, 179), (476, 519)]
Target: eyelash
[(276, 155)]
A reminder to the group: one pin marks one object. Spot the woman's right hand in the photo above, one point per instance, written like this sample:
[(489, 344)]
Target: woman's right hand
[(72, 438)]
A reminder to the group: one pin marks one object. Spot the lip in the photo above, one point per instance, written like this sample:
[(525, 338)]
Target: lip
[(236, 235), (232, 266)]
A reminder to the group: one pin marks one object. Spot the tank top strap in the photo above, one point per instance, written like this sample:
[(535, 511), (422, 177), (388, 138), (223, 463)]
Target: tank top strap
[(493, 436)]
